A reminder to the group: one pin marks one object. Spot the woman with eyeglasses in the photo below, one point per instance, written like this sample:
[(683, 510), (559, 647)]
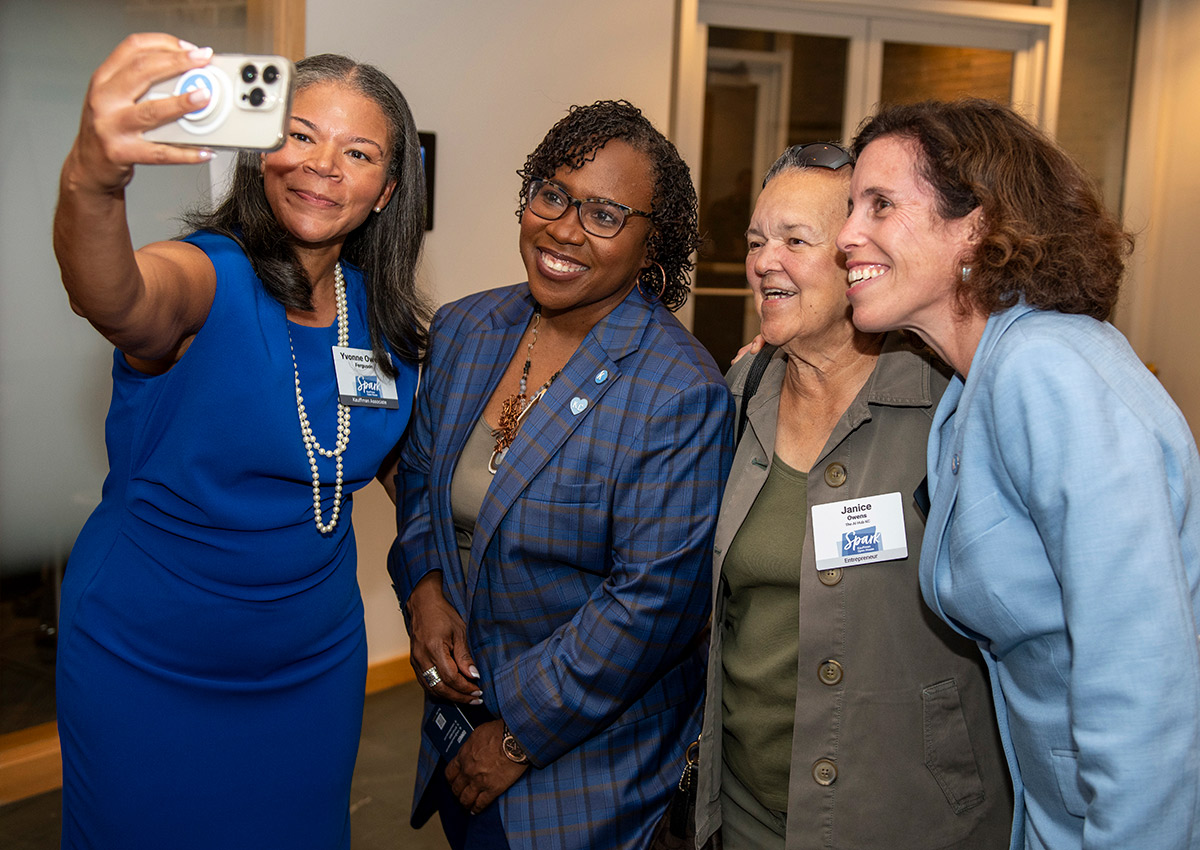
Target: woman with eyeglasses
[(557, 495), (1064, 531), (840, 712)]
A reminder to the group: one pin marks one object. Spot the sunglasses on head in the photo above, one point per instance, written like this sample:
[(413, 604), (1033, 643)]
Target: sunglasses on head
[(821, 155)]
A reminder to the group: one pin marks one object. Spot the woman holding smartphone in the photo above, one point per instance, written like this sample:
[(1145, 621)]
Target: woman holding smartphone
[(212, 652)]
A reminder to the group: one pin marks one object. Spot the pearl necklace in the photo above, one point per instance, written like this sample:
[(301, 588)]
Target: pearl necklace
[(311, 446)]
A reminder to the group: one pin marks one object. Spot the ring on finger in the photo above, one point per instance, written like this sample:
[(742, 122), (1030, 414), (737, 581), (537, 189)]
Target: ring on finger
[(431, 677)]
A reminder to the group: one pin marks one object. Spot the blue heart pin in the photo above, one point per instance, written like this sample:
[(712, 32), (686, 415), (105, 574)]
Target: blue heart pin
[(578, 405)]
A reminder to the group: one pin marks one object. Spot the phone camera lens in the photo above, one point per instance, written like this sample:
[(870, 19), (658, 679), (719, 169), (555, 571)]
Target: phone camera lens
[(249, 73), (256, 96), (270, 74)]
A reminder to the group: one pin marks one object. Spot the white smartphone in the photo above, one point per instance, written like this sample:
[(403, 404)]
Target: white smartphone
[(250, 106)]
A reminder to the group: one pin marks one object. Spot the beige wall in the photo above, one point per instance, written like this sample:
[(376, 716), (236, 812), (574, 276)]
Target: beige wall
[(489, 78), (1160, 309)]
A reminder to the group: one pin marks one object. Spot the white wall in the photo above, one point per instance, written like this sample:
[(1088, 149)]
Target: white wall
[(489, 78)]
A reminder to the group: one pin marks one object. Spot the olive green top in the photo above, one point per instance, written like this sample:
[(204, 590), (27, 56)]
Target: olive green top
[(762, 635)]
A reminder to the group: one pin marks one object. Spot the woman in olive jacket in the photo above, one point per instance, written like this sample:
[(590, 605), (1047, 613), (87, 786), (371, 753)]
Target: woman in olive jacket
[(840, 711)]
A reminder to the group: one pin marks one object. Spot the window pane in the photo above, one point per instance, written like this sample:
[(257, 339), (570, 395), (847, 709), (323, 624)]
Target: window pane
[(913, 72), (818, 89), (813, 68), (724, 323), (726, 173), (54, 448)]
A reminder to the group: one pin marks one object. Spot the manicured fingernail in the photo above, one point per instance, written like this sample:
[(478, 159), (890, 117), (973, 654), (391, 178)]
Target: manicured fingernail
[(198, 53), (204, 155), (198, 96), (476, 702), (476, 693), (474, 672), (184, 44)]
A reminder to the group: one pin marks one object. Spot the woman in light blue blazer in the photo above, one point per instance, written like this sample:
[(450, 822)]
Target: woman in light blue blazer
[(1064, 530)]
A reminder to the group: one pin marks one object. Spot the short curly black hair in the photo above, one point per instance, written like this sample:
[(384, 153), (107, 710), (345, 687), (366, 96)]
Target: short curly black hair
[(675, 234)]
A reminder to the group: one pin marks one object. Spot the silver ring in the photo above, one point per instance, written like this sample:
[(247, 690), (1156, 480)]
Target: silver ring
[(431, 677)]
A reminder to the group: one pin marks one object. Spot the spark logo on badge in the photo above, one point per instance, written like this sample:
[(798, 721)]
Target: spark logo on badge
[(367, 386), (861, 542)]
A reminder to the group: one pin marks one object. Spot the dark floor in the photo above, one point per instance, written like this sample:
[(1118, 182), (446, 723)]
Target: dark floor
[(379, 799)]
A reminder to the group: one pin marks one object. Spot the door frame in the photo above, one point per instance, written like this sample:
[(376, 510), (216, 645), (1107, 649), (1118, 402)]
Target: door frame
[(1035, 35)]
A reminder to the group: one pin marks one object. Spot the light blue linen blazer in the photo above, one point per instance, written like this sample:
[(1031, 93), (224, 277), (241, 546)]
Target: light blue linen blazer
[(1064, 536), (586, 595)]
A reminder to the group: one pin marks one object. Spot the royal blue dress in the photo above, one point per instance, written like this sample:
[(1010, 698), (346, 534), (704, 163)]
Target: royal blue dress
[(212, 653)]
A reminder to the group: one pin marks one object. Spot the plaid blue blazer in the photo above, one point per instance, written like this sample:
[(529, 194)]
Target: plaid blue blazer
[(586, 595)]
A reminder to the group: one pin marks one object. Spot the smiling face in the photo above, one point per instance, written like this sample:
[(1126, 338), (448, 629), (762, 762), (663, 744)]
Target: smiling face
[(332, 171), (903, 258), (572, 271), (793, 264)]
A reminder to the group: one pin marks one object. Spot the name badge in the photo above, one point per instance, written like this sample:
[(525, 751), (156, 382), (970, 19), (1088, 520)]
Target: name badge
[(859, 531), (360, 384)]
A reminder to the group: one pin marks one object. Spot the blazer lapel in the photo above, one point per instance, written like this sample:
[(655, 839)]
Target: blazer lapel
[(942, 484), (945, 456), (570, 400), (482, 359)]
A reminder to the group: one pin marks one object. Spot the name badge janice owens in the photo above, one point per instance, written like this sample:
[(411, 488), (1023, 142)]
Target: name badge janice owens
[(859, 531), (360, 384)]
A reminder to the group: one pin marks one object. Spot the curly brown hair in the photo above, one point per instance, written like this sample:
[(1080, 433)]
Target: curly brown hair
[(675, 234), (1046, 235)]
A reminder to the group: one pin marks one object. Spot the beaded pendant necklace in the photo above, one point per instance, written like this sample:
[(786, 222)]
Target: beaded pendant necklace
[(515, 407), (311, 447)]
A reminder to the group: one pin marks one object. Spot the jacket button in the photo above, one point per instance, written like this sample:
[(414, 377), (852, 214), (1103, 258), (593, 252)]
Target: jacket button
[(830, 672), (835, 474), (830, 577), (824, 772), (954, 463)]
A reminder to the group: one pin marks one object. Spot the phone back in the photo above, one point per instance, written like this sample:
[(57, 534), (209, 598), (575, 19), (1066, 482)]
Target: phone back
[(250, 105)]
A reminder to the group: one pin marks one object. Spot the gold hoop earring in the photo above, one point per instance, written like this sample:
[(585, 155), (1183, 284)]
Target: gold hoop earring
[(661, 289)]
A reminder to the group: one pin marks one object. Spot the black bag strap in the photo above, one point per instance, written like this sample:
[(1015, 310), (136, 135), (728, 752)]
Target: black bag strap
[(753, 378)]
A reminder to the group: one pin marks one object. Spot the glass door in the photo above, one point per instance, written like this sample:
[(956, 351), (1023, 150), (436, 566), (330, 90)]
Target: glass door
[(760, 98)]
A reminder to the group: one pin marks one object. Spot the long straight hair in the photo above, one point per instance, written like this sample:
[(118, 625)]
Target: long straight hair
[(387, 246)]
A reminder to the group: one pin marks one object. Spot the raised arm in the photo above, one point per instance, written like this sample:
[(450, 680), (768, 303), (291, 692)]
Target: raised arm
[(148, 303)]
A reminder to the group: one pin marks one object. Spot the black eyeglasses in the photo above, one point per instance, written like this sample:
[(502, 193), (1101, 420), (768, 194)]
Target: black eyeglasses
[(599, 216)]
